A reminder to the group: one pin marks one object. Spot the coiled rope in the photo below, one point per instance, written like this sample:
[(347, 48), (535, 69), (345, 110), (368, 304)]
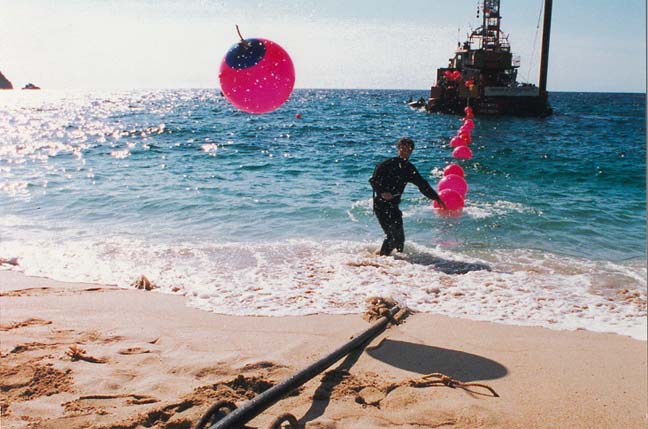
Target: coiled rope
[(439, 379)]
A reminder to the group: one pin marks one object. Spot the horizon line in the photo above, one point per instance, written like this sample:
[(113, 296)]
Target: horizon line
[(296, 88)]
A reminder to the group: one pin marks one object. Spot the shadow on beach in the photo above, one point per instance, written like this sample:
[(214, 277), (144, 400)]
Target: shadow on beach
[(424, 359), (322, 395), (444, 265), (412, 357)]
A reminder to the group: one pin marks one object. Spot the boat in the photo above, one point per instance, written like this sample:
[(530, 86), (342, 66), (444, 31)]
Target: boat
[(31, 86), (417, 104), (483, 73)]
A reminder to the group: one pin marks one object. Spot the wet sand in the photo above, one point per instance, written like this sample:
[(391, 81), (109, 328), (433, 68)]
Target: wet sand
[(80, 355)]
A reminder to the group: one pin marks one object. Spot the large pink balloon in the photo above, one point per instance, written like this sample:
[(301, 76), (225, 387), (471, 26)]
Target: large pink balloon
[(458, 141), (454, 181), (453, 169), (257, 75), (462, 152), (451, 198)]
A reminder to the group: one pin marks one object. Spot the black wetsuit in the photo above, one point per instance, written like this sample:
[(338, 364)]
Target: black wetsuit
[(391, 176)]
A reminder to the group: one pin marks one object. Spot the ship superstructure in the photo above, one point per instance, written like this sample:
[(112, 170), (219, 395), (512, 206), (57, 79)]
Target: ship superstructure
[(483, 73)]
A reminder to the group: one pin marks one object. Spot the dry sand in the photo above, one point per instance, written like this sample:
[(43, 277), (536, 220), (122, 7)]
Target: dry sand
[(145, 359)]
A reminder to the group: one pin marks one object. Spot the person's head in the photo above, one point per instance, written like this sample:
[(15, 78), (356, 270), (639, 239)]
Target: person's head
[(405, 147)]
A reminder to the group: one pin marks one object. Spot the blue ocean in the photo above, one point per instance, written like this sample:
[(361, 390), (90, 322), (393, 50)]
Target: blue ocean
[(272, 215)]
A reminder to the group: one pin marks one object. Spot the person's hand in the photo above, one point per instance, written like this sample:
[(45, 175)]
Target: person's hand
[(386, 196)]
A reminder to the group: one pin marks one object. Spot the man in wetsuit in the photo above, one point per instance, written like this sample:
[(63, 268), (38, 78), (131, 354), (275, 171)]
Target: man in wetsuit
[(388, 183)]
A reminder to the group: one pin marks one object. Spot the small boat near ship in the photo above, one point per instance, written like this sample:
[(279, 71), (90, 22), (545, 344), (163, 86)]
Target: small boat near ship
[(483, 73), (417, 104), (31, 86)]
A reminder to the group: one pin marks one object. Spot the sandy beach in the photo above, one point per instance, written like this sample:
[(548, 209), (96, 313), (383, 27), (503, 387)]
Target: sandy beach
[(145, 359)]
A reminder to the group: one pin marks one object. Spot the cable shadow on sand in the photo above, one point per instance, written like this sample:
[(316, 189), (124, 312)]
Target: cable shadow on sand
[(322, 396), (424, 359), (443, 265)]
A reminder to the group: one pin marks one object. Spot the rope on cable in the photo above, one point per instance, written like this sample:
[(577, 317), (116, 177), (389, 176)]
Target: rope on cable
[(214, 413), (535, 39), (376, 394), (288, 418), (438, 379), (378, 307)]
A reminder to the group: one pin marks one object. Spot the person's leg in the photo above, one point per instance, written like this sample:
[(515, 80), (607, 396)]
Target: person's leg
[(387, 247), (398, 231), (391, 222), (383, 220)]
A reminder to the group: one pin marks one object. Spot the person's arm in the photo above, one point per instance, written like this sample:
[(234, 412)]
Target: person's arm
[(378, 182), (424, 187), (376, 179)]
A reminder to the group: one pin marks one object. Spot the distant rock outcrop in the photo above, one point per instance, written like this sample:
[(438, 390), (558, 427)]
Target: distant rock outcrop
[(31, 86), (4, 82)]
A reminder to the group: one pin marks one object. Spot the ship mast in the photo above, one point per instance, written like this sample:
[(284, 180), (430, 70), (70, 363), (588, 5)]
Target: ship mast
[(544, 59), (491, 25)]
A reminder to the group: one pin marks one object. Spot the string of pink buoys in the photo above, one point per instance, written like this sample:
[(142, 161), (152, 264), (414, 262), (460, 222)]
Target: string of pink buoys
[(452, 187)]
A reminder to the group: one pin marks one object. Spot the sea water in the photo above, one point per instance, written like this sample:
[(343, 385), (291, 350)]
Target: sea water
[(272, 215)]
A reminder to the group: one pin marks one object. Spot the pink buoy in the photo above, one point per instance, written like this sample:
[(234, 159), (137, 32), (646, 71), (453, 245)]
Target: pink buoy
[(462, 152), (451, 198), (458, 141), (464, 129), (257, 75), (453, 169), (470, 115), (454, 181), (466, 137), (298, 116), (469, 123)]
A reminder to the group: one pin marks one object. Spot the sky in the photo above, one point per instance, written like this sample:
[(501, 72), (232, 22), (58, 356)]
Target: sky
[(596, 45)]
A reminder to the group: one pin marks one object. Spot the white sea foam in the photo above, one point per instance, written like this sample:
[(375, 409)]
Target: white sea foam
[(14, 189), (209, 148), (437, 172), (296, 277), (13, 221), (481, 210), (120, 154)]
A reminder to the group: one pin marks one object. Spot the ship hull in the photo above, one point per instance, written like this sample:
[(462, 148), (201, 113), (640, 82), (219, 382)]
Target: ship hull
[(533, 106)]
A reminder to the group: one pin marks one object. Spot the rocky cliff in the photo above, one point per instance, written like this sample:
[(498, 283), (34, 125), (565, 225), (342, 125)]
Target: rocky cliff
[(4, 82)]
